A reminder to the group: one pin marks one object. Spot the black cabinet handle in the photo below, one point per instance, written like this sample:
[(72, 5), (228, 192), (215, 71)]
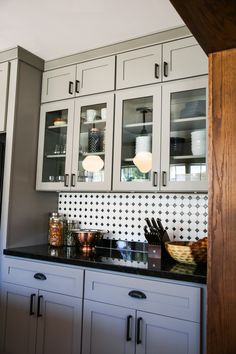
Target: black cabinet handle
[(66, 180), (165, 69), (139, 339), (72, 180), (40, 276), (39, 306), (137, 294), (164, 178), (31, 312), (155, 178), (77, 86), (128, 335), (157, 71), (70, 89)]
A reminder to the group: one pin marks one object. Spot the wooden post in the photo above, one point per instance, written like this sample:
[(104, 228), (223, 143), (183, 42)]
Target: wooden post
[(221, 299)]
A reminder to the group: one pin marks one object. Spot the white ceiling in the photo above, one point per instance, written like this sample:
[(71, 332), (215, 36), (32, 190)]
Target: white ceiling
[(55, 28)]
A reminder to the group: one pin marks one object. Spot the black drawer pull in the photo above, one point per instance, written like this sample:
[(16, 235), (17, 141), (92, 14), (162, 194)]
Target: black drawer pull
[(39, 306), (40, 276), (128, 335), (165, 69), (139, 339), (156, 72), (32, 296), (70, 89), (77, 86), (137, 294)]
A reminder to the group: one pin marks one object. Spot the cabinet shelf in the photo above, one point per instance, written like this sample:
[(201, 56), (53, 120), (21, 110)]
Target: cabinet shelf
[(55, 156), (57, 126), (136, 128), (100, 153), (188, 157), (188, 123), (96, 122)]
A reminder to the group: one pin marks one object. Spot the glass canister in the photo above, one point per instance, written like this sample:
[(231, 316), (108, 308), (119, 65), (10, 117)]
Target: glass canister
[(56, 227), (69, 239)]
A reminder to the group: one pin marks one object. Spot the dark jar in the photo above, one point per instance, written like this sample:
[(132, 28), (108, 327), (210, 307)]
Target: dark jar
[(94, 140)]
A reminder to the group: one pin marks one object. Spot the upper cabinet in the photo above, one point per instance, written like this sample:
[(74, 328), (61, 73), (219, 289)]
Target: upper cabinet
[(164, 62), (161, 137), (137, 139), (95, 76), (4, 73), (58, 84), (86, 78), (183, 58), (75, 144), (160, 122), (139, 67)]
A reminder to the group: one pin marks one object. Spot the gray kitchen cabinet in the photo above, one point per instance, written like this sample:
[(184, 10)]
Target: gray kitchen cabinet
[(18, 327), (184, 135), (166, 148), (93, 143), (58, 84), (95, 76), (166, 335), (55, 145), (58, 324), (138, 131), (108, 329), (41, 308), (75, 144), (163, 62), (4, 76), (139, 67), (183, 58), (139, 315), (49, 321)]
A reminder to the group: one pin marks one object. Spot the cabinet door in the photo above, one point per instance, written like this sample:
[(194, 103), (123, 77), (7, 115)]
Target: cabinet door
[(58, 84), (139, 67), (183, 58), (136, 164), (93, 136), (95, 76), (166, 335), (59, 324), (108, 329), (18, 323), (4, 72), (184, 135), (55, 145)]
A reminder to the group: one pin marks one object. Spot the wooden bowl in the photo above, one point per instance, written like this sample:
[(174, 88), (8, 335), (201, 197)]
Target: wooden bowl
[(188, 252)]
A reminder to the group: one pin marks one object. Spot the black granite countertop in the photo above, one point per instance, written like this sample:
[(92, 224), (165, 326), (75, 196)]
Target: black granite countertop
[(126, 257)]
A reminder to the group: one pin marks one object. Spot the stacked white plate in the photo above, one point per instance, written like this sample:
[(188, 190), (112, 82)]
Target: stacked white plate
[(198, 142)]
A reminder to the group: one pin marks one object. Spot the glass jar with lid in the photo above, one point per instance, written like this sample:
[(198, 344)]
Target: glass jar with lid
[(56, 226)]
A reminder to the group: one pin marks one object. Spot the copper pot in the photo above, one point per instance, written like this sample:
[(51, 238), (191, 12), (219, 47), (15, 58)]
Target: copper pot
[(88, 238)]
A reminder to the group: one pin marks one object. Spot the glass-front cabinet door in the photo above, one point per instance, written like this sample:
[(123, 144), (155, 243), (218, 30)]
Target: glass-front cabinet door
[(93, 143), (55, 146), (184, 135), (136, 165)]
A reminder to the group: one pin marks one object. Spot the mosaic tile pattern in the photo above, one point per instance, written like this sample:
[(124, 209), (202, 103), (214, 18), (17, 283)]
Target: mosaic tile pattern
[(185, 216)]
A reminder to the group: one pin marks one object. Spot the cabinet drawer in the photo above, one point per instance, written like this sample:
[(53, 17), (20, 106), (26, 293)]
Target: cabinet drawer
[(167, 299), (68, 281)]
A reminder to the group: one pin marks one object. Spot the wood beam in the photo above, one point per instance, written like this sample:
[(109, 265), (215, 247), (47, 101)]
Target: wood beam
[(212, 22), (221, 303)]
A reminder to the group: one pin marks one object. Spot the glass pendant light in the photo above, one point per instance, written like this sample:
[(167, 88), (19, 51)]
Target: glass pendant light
[(93, 163)]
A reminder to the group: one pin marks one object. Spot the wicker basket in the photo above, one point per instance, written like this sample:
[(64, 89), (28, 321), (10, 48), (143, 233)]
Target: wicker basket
[(188, 252)]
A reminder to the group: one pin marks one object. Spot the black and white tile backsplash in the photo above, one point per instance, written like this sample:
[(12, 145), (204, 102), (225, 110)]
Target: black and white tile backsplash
[(184, 215)]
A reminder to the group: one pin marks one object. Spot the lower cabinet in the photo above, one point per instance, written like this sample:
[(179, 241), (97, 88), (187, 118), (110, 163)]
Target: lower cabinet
[(41, 322), (118, 330)]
